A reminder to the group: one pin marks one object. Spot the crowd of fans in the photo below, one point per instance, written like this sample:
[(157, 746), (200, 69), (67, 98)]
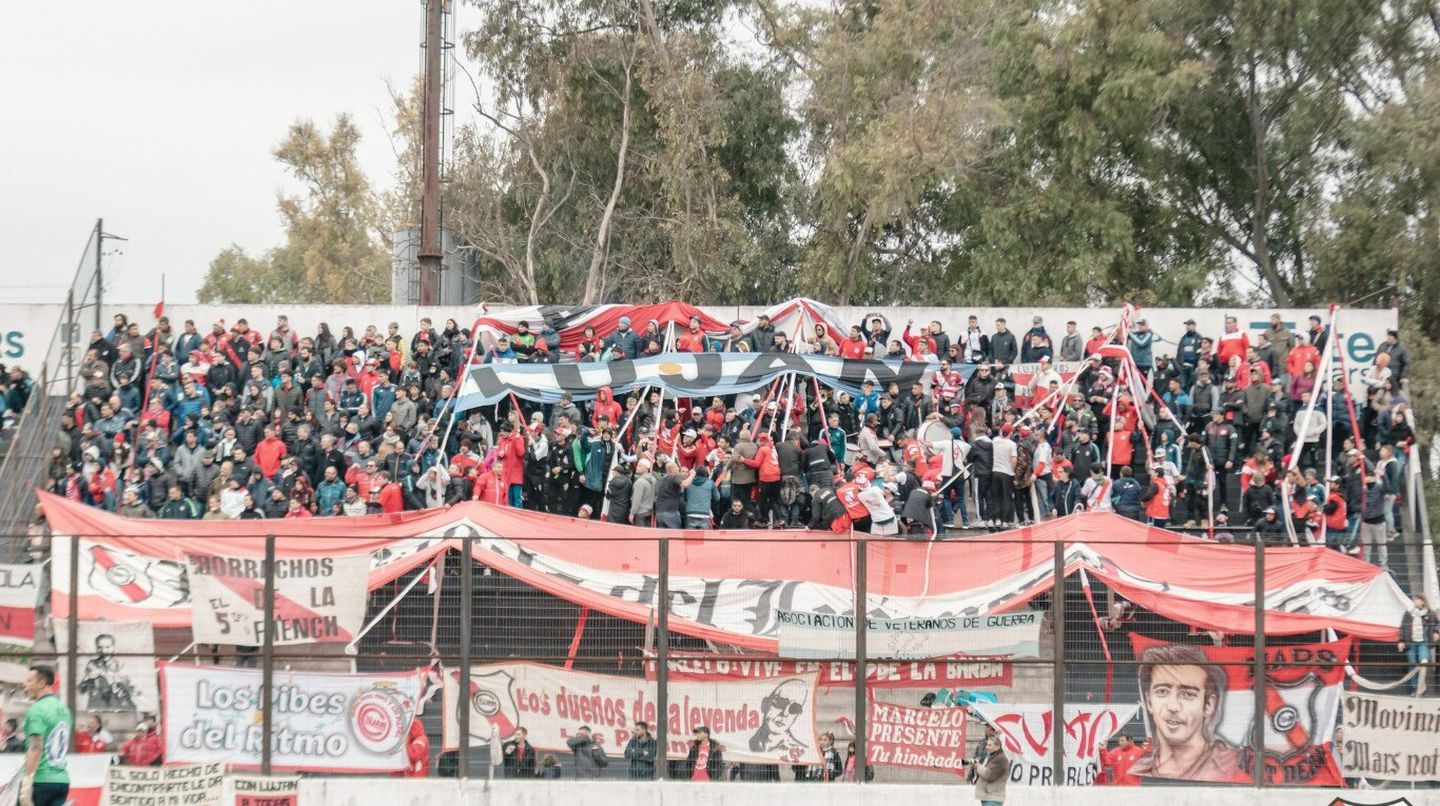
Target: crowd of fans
[(240, 423)]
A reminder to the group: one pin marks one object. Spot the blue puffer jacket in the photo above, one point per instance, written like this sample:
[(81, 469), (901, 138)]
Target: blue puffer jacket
[(1126, 494)]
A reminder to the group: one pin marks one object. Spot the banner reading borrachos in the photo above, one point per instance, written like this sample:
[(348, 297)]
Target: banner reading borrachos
[(1199, 710), (771, 720), (919, 738), (317, 599), (19, 599), (825, 635), (1026, 732), (1391, 738), (323, 722)]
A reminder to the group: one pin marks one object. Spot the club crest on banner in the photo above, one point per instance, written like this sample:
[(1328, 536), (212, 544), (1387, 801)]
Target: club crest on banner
[(134, 579), (492, 696)]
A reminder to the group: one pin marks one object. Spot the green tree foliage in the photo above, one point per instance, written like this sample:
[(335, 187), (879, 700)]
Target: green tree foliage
[(334, 249)]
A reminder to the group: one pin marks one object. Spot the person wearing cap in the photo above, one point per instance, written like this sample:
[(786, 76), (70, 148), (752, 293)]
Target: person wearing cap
[(693, 339), (624, 341), (1188, 354), (1269, 528), (1037, 343)]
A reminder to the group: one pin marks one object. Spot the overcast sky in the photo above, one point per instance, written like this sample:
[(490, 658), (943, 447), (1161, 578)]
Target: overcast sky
[(160, 117)]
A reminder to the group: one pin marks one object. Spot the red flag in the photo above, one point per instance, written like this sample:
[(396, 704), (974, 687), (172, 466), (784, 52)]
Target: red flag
[(159, 309)]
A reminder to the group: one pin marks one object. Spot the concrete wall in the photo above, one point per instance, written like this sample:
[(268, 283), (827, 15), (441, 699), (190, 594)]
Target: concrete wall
[(404, 792)]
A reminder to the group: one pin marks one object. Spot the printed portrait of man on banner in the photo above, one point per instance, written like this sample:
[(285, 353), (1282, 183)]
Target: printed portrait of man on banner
[(1182, 692)]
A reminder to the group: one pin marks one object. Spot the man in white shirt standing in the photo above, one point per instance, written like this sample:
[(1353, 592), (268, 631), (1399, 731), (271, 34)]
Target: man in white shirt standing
[(1002, 476), (1096, 491)]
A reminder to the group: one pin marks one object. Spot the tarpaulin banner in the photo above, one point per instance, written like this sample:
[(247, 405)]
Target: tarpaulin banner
[(19, 600), (826, 635), (117, 664), (728, 592), (1390, 738), (265, 790), (323, 722), (680, 374), (770, 720), (317, 599), (918, 738), (971, 671), (1200, 711), (1028, 735), (197, 784)]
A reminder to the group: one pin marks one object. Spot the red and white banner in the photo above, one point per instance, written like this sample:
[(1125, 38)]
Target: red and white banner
[(317, 599), (1200, 711), (265, 790), (87, 776), (728, 593), (1028, 735), (918, 738), (970, 672), (117, 664), (323, 722), (769, 720), (19, 601)]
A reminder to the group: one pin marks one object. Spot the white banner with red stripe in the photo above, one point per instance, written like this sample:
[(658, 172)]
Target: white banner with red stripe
[(317, 599)]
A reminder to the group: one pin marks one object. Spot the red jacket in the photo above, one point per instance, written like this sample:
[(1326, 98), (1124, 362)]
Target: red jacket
[(512, 451), (357, 476), (268, 455), (491, 489), (766, 460), (690, 342), (391, 499), (605, 404), (142, 750), (852, 348), (849, 495)]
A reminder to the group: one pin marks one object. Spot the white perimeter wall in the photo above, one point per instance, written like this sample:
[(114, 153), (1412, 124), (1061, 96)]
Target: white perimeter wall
[(405, 792), (26, 330)]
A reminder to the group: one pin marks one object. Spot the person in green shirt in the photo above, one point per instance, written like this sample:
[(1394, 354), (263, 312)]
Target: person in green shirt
[(47, 728)]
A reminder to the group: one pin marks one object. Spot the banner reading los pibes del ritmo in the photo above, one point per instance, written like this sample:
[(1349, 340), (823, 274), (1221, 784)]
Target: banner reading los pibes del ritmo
[(323, 722)]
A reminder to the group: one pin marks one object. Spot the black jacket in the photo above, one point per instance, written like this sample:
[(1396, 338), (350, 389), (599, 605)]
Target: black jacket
[(519, 762), (713, 765)]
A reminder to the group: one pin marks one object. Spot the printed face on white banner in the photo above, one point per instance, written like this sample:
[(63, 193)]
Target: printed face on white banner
[(767, 720), (317, 599), (117, 664), (323, 722)]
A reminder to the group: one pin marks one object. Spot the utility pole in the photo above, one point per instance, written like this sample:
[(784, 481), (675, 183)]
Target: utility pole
[(430, 111)]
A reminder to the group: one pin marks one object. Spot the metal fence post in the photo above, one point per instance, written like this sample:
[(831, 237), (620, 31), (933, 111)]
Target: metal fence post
[(662, 665), (862, 670), (267, 652), (462, 691), (1057, 701), (1257, 727), (72, 629)]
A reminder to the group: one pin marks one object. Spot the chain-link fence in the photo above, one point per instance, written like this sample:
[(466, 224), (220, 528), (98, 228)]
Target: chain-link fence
[(541, 656)]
